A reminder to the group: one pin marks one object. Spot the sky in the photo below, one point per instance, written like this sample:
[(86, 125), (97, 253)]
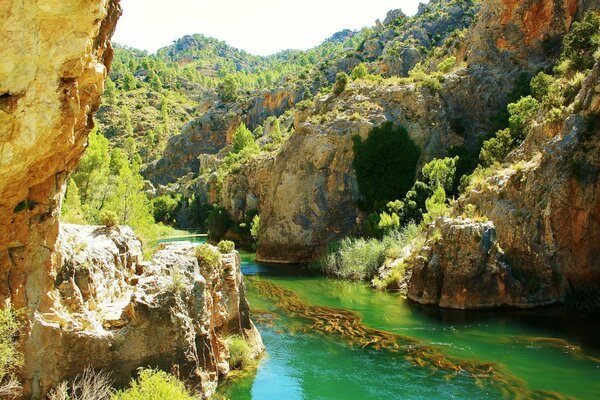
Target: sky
[(260, 27)]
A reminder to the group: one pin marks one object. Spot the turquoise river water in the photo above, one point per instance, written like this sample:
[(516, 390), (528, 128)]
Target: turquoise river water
[(328, 339)]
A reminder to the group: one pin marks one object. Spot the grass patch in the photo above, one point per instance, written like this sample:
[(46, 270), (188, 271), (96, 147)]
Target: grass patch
[(154, 384), (240, 353), (10, 356)]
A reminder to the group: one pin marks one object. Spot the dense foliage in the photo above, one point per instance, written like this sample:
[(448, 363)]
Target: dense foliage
[(385, 163)]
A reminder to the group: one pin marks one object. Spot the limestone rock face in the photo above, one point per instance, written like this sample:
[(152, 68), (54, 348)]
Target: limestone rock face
[(55, 56), (311, 192), (117, 313), (465, 270), (547, 213), (213, 131), (312, 177), (545, 209)]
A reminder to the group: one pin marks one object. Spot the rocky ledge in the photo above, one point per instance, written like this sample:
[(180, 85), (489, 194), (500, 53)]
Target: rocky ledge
[(462, 266), (116, 312)]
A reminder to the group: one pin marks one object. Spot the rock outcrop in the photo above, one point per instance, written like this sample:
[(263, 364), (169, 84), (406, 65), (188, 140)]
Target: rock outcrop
[(55, 56), (462, 266), (213, 131), (312, 194), (114, 312), (545, 207)]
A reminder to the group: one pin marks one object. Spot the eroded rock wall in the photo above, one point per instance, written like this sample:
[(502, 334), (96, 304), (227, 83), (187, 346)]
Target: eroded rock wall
[(545, 208), (114, 312), (313, 193), (55, 55)]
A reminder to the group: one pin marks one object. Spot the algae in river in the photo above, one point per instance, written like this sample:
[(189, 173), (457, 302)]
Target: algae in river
[(330, 339)]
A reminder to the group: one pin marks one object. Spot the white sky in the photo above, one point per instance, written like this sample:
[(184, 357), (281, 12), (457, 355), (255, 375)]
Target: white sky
[(257, 26)]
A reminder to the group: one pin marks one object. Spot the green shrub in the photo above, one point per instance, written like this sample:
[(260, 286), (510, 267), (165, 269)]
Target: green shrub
[(165, 208), (359, 72), (393, 280), (440, 172), (356, 259), (240, 353), (521, 114), (242, 139), (207, 256), (10, 357), (226, 246), (385, 163), (388, 222), (341, 80), (540, 85), (108, 218), (436, 206), (154, 384), (447, 64), (228, 89), (583, 40), (496, 148), (371, 225)]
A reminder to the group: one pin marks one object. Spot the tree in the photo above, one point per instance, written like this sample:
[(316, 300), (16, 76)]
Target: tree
[(242, 139), (385, 163), (228, 89), (110, 91), (91, 176), (582, 41), (155, 82), (128, 199), (521, 114), (275, 132), (359, 72), (165, 208), (436, 206), (341, 80), (496, 148), (540, 86), (440, 173), (71, 211), (129, 82)]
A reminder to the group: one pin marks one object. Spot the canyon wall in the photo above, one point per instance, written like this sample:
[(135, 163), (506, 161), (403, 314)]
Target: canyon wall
[(312, 197), (546, 219), (55, 56), (115, 312)]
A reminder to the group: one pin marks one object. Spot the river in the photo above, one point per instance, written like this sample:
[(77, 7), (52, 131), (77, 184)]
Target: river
[(329, 339)]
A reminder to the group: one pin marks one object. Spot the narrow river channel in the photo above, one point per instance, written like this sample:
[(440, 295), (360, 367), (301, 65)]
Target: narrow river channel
[(330, 339)]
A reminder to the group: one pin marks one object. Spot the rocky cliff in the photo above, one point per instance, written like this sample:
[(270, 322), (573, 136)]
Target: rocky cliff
[(213, 131), (545, 210), (55, 58), (117, 313), (313, 193)]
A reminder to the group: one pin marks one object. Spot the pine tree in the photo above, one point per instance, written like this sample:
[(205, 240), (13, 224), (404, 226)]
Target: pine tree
[(242, 139)]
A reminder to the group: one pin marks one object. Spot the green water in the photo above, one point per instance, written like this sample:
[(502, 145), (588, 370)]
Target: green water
[(313, 365), (301, 363)]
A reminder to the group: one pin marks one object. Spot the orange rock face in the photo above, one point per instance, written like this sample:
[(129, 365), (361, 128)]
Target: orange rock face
[(55, 56), (530, 22)]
